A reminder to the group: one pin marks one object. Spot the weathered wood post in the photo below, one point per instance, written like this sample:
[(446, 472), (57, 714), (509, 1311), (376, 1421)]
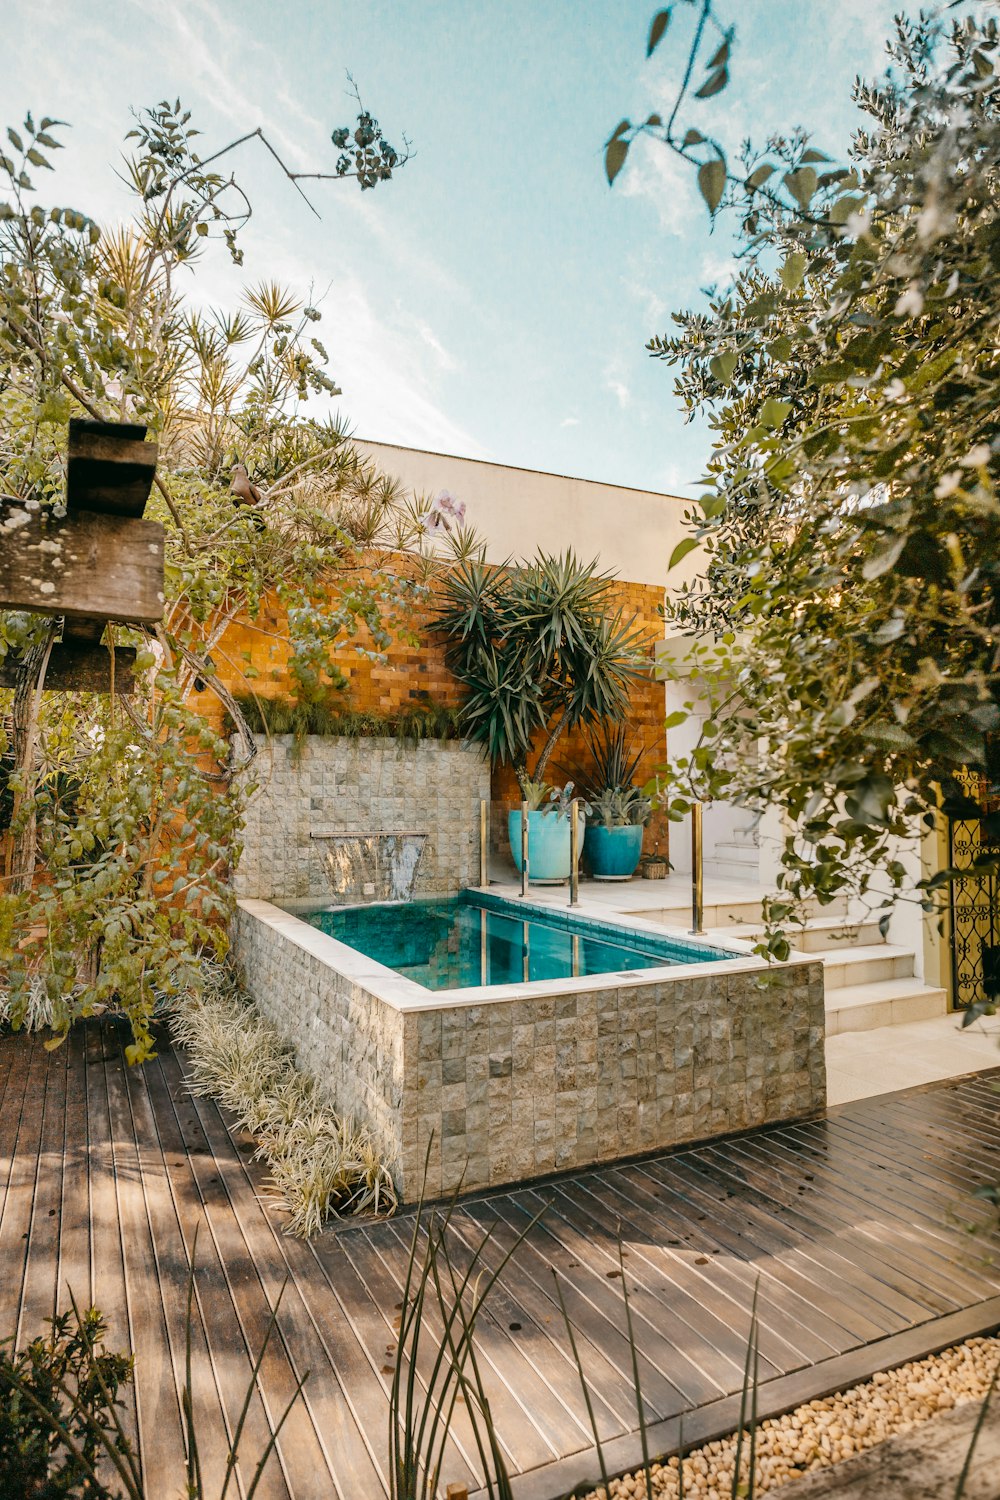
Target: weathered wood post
[(98, 563)]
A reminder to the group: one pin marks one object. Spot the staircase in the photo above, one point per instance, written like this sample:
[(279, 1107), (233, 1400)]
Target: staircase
[(735, 858), (868, 981)]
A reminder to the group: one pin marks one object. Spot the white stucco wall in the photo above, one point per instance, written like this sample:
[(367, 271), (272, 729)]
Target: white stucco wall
[(519, 511)]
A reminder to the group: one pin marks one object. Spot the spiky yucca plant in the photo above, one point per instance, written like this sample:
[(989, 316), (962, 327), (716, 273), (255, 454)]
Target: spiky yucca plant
[(540, 648)]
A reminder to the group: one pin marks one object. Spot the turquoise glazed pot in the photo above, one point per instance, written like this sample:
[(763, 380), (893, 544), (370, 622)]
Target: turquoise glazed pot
[(548, 844), (613, 853)]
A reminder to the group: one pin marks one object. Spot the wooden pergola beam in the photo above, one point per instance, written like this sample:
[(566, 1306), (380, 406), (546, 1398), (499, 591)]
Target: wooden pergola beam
[(110, 468), (98, 562), (83, 566)]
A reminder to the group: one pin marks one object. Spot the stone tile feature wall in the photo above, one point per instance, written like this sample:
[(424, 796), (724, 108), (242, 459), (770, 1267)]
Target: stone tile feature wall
[(517, 1082), (360, 786)]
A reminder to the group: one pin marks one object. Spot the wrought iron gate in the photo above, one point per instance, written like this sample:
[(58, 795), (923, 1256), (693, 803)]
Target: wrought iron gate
[(975, 901)]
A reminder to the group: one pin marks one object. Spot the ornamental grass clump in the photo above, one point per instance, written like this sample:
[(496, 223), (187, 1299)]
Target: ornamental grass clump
[(321, 1164)]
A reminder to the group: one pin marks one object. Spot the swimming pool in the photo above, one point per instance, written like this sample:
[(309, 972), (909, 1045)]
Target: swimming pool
[(475, 1085), (475, 939)]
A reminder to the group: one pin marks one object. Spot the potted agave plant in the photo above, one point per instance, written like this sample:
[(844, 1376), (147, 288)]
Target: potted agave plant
[(618, 808), (613, 841), (549, 838)]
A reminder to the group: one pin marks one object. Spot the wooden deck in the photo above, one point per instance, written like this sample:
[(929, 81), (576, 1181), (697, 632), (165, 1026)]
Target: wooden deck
[(854, 1224)]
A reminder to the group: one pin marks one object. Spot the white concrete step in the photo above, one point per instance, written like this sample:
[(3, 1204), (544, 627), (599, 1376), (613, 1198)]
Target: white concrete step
[(820, 934), (747, 915), (731, 873), (843, 967), (732, 917), (720, 918), (736, 851), (890, 1002)]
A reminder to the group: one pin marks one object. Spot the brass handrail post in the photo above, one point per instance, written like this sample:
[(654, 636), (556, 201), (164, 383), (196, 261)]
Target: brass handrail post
[(697, 872), (574, 852), (524, 847), (484, 842)]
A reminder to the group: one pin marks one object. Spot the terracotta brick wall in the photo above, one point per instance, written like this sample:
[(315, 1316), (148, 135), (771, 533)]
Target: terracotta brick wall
[(412, 672)]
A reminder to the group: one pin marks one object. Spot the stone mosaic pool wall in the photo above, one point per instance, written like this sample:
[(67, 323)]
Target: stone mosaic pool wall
[(360, 786), (518, 1086)]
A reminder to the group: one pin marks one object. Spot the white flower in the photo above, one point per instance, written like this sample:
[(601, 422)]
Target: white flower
[(448, 506), (977, 457), (911, 303), (947, 484), (444, 511), (895, 390), (858, 225)]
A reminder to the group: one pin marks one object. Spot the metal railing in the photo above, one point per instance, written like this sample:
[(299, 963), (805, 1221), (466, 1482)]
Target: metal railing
[(574, 852), (697, 872)]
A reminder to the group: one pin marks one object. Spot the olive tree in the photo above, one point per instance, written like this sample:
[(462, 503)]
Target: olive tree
[(845, 626)]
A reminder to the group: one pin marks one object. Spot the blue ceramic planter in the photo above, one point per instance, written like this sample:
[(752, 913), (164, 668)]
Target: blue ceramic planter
[(613, 853), (548, 844)]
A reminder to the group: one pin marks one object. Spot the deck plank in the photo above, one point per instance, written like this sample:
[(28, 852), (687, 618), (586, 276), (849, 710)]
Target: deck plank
[(283, 1266), (21, 1121), (816, 1270), (851, 1226), (156, 1389), (72, 1271), (375, 1305), (894, 1283), (234, 1330), (531, 1403), (180, 1235), (107, 1257), (530, 1300), (918, 1241), (671, 1224), (39, 1287)]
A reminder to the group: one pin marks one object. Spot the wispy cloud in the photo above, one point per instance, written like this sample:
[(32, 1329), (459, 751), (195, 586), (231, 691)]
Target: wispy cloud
[(658, 175), (614, 381), (570, 422), (393, 368), (443, 357), (394, 365)]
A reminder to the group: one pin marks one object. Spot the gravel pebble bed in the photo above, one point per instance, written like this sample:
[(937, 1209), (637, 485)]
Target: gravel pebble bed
[(821, 1433)]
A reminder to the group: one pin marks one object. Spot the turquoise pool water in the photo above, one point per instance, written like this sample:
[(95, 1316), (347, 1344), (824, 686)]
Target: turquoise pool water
[(477, 939)]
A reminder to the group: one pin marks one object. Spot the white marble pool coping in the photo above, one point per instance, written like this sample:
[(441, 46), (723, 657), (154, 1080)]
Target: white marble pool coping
[(405, 995)]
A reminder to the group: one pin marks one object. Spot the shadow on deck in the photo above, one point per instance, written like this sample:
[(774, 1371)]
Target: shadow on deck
[(855, 1225)]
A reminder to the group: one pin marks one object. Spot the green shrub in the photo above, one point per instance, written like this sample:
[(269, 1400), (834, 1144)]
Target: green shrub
[(57, 1411), (426, 720)]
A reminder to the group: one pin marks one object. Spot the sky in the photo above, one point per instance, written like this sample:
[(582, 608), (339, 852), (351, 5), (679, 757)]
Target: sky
[(495, 298)]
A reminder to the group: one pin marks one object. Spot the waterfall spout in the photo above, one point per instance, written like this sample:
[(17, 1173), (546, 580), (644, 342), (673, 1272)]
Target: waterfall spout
[(363, 867)]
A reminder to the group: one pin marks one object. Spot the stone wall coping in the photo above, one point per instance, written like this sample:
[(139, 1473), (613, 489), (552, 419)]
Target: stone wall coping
[(454, 744), (405, 995), (374, 833)]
